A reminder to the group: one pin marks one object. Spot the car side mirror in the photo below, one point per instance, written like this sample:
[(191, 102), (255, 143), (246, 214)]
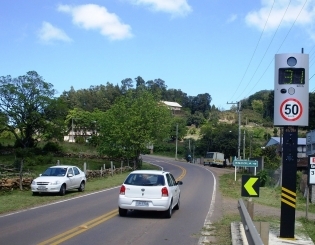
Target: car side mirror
[(179, 182), (70, 175), (40, 175)]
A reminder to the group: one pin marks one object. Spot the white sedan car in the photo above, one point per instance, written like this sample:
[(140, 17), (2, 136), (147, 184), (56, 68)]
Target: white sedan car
[(149, 190), (58, 179)]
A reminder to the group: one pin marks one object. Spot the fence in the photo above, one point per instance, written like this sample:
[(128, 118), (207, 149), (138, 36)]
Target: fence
[(12, 179)]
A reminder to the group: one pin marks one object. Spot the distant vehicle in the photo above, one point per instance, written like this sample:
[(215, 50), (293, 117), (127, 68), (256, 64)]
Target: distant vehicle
[(59, 179), (214, 158), (149, 190)]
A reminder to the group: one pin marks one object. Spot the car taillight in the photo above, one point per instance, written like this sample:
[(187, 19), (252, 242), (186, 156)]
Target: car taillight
[(164, 192), (122, 190)]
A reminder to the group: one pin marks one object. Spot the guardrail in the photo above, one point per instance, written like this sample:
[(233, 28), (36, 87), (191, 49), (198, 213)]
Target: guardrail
[(252, 235)]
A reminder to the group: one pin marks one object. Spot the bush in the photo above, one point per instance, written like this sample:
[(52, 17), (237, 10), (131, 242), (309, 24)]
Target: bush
[(52, 147), (263, 177), (80, 140)]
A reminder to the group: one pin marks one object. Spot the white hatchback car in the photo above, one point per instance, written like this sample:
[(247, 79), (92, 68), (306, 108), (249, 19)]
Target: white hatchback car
[(58, 179), (149, 190)]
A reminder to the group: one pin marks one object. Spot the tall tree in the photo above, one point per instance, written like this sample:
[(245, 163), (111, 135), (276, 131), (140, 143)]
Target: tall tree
[(126, 84), (201, 103), (133, 123), (29, 106), (140, 83)]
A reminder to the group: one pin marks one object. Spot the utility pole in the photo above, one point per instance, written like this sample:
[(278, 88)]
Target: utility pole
[(72, 132), (244, 145), (176, 141), (250, 145), (239, 128)]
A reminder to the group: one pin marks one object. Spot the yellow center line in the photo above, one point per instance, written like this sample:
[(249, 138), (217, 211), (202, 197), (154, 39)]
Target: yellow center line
[(79, 229), (92, 223)]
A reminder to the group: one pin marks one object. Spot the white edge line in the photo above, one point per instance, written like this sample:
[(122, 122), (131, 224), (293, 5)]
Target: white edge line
[(211, 208), (53, 203)]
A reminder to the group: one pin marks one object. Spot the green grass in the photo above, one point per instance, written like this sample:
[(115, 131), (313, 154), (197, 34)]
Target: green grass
[(17, 200), (267, 196)]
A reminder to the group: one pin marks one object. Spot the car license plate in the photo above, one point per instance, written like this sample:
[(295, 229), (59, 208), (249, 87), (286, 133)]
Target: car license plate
[(142, 203), (42, 188)]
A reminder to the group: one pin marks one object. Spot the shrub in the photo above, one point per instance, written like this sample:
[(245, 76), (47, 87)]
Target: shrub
[(52, 147), (263, 177), (80, 140)]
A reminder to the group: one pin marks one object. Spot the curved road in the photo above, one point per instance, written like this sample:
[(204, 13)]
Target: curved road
[(93, 218)]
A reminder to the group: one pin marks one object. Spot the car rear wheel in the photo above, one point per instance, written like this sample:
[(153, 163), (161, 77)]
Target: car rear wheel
[(122, 212), (178, 204), (81, 187), (168, 212), (62, 191)]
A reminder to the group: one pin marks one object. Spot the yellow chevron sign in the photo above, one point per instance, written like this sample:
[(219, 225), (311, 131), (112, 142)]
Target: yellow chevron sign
[(250, 186)]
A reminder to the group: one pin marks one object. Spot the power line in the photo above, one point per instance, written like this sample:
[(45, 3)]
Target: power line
[(279, 46), (267, 47), (254, 50)]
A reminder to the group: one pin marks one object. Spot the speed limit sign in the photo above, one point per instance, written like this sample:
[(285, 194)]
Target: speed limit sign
[(291, 94), (291, 109)]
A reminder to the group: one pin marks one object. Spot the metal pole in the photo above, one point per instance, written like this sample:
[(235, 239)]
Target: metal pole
[(72, 130), (239, 131), (281, 154), (244, 145), (250, 145), (176, 141)]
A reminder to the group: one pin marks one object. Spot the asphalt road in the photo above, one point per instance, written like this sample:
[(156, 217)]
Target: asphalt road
[(94, 219)]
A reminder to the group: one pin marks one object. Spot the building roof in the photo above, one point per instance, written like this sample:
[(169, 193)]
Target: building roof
[(174, 104), (276, 140)]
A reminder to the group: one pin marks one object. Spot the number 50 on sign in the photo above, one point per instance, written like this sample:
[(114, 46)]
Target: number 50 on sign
[(291, 109)]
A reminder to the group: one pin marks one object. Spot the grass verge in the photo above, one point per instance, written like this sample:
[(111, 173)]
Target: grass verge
[(17, 200), (268, 196)]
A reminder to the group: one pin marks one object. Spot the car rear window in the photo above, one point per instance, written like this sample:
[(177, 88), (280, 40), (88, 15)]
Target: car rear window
[(145, 179)]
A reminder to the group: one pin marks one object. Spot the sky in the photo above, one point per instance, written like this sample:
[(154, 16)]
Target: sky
[(225, 48)]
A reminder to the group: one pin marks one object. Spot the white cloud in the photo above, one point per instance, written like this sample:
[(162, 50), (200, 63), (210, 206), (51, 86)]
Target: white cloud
[(95, 17), (49, 33), (232, 18), (258, 18), (174, 7)]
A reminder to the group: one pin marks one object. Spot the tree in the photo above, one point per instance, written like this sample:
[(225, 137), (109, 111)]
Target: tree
[(134, 122), (140, 83), (258, 106), (28, 104), (201, 103), (126, 84)]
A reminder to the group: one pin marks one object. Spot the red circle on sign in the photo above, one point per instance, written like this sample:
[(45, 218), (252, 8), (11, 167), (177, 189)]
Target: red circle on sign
[(285, 117)]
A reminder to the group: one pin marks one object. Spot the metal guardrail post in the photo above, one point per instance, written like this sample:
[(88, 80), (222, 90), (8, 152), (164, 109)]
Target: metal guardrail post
[(253, 238)]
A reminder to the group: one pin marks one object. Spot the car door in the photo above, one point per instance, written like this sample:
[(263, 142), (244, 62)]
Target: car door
[(176, 188), (172, 187), (77, 177), (70, 179)]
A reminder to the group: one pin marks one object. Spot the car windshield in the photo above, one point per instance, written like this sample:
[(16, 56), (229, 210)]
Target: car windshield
[(55, 172), (144, 179), (209, 155)]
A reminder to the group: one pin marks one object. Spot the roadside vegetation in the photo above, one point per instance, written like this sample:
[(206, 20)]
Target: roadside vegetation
[(111, 123), (269, 196)]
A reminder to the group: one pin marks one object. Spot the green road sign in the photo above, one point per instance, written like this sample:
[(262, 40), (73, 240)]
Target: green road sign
[(245, 163), (250, 186)]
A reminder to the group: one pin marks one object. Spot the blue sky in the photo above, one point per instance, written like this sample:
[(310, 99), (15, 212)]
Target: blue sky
[(221, 47)]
